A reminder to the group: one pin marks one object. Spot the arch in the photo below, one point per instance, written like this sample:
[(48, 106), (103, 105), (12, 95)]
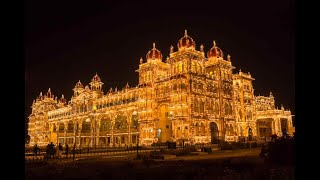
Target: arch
[(164, 124), (121, 122), (197, 129), (202, 129), (86, 126), (70, 127), (105, 124), (201, 106), (214, 133), (232, 133), (61, 127)]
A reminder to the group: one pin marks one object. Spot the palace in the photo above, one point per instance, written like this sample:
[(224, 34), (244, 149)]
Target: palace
[(191, 96)]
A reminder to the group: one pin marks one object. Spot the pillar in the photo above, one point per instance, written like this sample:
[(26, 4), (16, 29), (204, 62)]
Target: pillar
[(65, 132), (57, 129), (79, 131), (74, 131), (91, 134), (97, 128)]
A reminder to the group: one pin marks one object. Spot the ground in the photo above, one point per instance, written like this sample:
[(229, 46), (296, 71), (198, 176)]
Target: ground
[(232, 164)]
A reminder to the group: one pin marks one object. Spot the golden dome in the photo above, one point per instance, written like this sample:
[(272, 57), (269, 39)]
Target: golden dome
[(96, 78), (154, 53), (79, 85), (186, 42), (215, 51)]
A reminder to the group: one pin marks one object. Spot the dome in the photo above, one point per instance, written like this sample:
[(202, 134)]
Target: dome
[(96, 78), (154, 53), (186, 42), (215, 51), (79, 85)]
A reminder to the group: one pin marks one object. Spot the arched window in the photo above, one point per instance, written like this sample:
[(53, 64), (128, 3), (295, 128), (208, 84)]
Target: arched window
[(201, 106), (197, 129), (202, 129)]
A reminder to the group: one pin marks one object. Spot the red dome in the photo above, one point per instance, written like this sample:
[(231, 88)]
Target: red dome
[(186, 42), (215, 51), (154, 53)]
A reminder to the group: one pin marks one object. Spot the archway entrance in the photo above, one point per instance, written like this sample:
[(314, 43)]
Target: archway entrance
[(264, 127), (164, 130), (214, 133), (250, 134)]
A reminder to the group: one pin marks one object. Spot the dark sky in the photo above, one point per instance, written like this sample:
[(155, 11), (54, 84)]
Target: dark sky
[(67, 41)]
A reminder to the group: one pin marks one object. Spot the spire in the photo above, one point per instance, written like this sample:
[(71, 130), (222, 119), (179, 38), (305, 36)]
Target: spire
[(171, 49), (154, 45), (214, 43), (62, 97), (270, 95), (127, 85), (185, 33), (229, 57), (49, 90), (201, 48), (40, 94), (141, 60)]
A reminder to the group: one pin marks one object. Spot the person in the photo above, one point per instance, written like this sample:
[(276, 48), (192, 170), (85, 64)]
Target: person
[(67, 150), (51, 147), (35, 150)]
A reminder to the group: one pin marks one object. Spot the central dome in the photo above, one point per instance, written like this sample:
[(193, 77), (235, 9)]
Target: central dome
[(154, 53), (215, 51), (186, 42)]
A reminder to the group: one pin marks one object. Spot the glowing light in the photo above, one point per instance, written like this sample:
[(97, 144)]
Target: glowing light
[(195, 90)]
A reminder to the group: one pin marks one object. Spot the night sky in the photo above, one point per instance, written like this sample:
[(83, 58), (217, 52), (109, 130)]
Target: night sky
[(67, 41)]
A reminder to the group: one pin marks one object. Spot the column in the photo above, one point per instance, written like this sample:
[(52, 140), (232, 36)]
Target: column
[(97, 128), (74, 132), (65, 132), (57, 129), (112, 129), (91, 134), (129, 128), (79, 130)]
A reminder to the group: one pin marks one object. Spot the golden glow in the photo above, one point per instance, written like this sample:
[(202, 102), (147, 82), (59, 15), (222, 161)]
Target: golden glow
[(188, 97)]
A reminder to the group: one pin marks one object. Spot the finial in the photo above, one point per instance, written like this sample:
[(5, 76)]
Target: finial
[(171, 49), (110, 90), (271, 94), (49, 90), (201, 48), (141, 60), (62, 97), (40, 93), (127, 85), (116, 89), (214, 43), (239, 70), (154, 45), (229, 57), (96, 73), (185, 33)]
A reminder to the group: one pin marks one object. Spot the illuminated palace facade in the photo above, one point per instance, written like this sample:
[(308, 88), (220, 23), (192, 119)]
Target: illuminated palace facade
[(188, 97)]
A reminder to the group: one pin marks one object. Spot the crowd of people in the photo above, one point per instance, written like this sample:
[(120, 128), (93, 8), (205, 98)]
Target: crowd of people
[(52, 152)]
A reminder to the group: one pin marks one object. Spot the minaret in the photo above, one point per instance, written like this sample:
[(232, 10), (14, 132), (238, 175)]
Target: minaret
[(96, 84), (78, 88)]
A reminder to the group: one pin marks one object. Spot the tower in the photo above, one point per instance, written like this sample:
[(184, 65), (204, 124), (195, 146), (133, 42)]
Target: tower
[(78, 89)]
